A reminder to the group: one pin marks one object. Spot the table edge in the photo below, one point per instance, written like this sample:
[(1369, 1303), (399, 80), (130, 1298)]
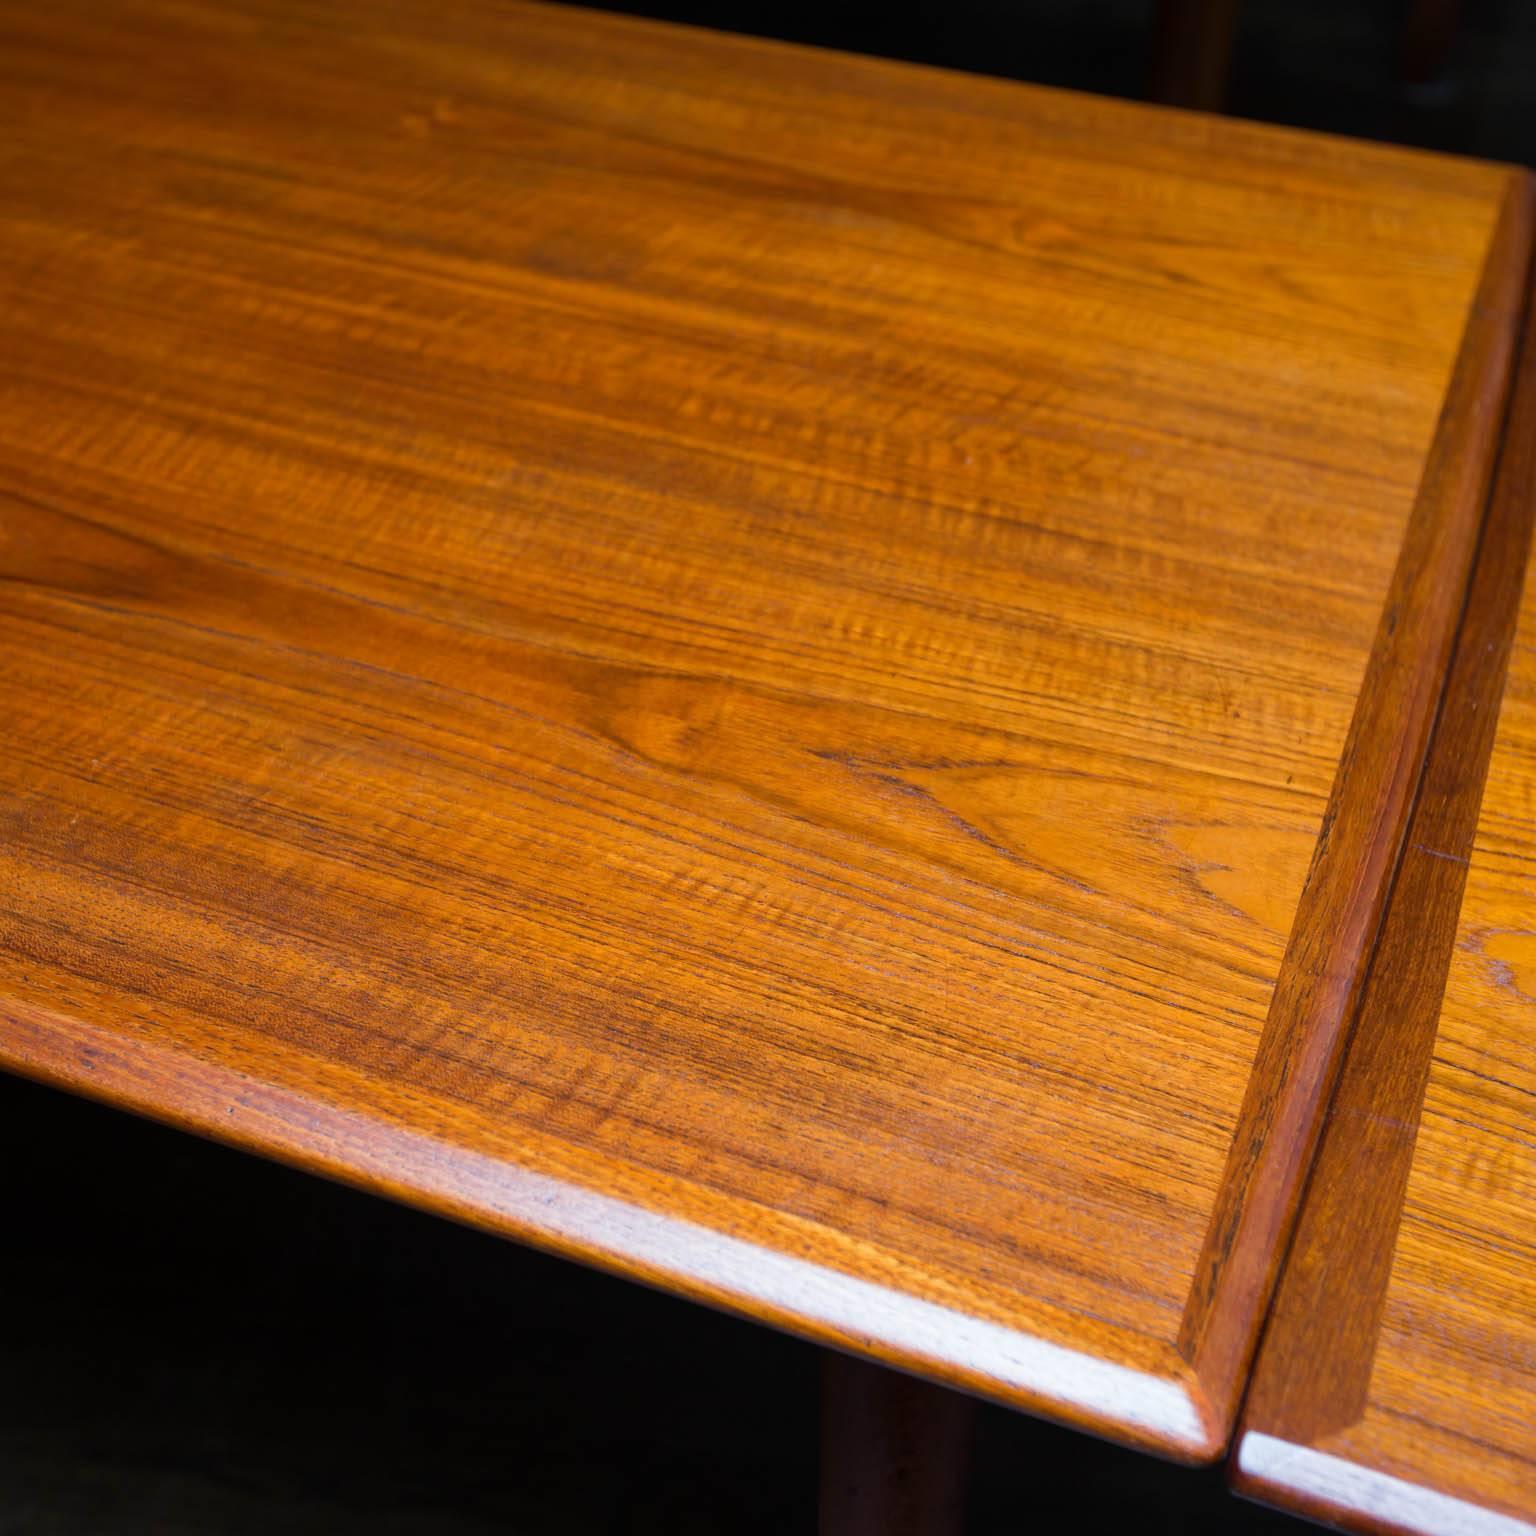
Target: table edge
[(1312, 1373), (1363, 833), (384, 1156)]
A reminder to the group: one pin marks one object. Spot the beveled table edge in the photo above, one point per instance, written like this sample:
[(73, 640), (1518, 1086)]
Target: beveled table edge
[(1312, 1373), (382, 1155), (1364, 830), (1351, 1497)]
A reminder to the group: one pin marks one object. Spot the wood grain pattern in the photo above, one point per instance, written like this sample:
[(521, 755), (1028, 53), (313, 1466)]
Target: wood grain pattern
[(1363, 835), (725, 659), (1396, 1389)]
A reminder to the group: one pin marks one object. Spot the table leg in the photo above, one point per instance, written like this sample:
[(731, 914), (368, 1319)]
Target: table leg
[(1192, 53), (895, 1452), (1428, 38)]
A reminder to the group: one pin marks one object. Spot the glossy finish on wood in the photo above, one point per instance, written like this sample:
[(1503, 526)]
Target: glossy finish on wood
[(1339, 915), (725, 659), (1396, 1390)]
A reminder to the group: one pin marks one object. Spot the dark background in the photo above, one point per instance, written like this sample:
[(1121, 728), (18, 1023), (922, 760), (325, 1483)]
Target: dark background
[(1342, 66), (200, 1344)]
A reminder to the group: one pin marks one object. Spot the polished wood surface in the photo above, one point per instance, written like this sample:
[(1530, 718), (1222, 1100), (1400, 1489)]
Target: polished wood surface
[(1396, 1389), (722, 658), (1337, 921)]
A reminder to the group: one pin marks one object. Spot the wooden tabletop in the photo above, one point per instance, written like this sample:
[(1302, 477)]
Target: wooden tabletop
[(1396, 1390), (727, 659)]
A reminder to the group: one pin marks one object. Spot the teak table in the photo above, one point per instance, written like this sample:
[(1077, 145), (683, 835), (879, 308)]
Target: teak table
[(802, 678)]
